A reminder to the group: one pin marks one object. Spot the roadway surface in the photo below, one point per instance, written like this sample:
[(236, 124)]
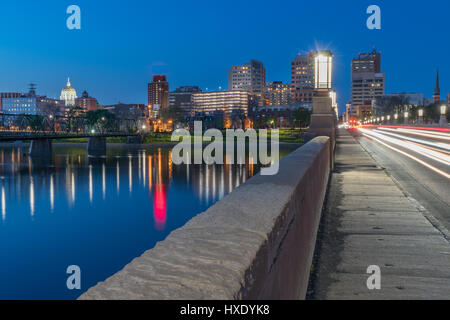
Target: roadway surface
[(419, 160)]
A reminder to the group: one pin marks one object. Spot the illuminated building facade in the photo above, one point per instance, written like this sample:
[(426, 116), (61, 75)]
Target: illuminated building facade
[(278, 93), (235, 101), (7, 95), (251, 77), (68, 95), (158, 92), (368, 82), (86, 102), (302, 77), (21, 105)]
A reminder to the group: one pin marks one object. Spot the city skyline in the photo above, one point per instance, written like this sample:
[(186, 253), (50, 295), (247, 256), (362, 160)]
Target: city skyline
[(112, 72)]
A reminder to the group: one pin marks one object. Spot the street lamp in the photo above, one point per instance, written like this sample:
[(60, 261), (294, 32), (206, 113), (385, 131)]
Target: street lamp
[(420, 116), (406, 116), (389, 118), (443, 121)]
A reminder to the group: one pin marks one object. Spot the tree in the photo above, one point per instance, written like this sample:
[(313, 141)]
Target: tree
[(100, 120), (390, 104), (302, 117)]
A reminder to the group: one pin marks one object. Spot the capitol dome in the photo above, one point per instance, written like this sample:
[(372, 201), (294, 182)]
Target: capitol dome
[(68, 94)]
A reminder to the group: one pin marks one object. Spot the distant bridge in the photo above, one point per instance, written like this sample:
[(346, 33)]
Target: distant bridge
[(11, 136), (42, 130)]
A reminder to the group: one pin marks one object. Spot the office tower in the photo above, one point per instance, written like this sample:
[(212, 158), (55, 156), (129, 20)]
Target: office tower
[(182, 98), (302, 77), (368, 82), (158, 92), (251, 77)]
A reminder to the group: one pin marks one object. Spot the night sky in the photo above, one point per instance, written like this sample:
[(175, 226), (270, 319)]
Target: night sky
[(122, 43)]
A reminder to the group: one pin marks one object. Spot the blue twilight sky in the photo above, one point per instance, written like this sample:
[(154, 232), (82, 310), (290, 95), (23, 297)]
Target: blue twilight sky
[(122, 43)]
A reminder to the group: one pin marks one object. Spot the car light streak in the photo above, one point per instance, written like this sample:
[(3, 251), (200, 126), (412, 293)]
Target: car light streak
[(433, 155), (429, 134), (446, 175), (444, 146)]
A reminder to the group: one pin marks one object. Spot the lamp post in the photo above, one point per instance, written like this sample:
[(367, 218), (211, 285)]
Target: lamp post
[(443, 121), (52, 121), (420, 121)]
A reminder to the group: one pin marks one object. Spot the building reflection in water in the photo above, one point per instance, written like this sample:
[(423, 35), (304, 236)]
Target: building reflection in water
[(74, 177)]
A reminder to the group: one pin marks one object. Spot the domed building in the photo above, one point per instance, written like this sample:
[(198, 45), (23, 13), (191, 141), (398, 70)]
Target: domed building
[(68, 95)]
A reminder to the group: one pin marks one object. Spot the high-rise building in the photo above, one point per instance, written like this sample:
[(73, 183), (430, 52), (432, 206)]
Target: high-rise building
[(278, 93), (182, 98), (437, 91), (302, 77), (229, 102), (368, 82), (68, 95), (158, 92), (86, 102), (251, 77)]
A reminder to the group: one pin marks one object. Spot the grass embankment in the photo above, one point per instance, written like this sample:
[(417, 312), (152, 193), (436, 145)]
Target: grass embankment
[(286, 136)]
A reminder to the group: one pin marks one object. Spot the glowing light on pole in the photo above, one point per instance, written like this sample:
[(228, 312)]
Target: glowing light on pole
[(323, 69), (443, 121)]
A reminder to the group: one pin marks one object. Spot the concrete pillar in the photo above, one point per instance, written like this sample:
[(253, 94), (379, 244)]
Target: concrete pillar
[(41, 148), (134, 139), (323, 119), (96, 146)]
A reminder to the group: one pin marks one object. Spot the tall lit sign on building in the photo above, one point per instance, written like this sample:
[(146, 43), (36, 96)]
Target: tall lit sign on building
[(323, 69)]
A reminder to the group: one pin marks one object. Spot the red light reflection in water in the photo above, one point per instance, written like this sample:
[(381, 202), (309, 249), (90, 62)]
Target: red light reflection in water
[(160, 208)]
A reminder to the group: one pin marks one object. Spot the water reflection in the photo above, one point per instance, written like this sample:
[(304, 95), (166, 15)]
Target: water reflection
[(98, 213)]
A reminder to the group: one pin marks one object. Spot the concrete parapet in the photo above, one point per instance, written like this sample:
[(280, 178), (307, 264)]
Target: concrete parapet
[(96, 146), (256, 243)]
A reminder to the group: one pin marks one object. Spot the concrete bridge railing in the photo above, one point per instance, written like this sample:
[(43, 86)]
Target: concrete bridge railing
[(256, 243)]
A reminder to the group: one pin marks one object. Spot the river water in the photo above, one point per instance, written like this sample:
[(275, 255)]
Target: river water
[(95, 213)]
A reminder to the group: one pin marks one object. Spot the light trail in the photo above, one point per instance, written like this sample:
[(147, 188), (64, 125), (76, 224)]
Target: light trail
[(433, 155), (444, 174), (429, 134), (444, 146)]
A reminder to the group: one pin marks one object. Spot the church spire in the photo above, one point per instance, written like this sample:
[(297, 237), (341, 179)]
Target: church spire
[(437, 90)]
